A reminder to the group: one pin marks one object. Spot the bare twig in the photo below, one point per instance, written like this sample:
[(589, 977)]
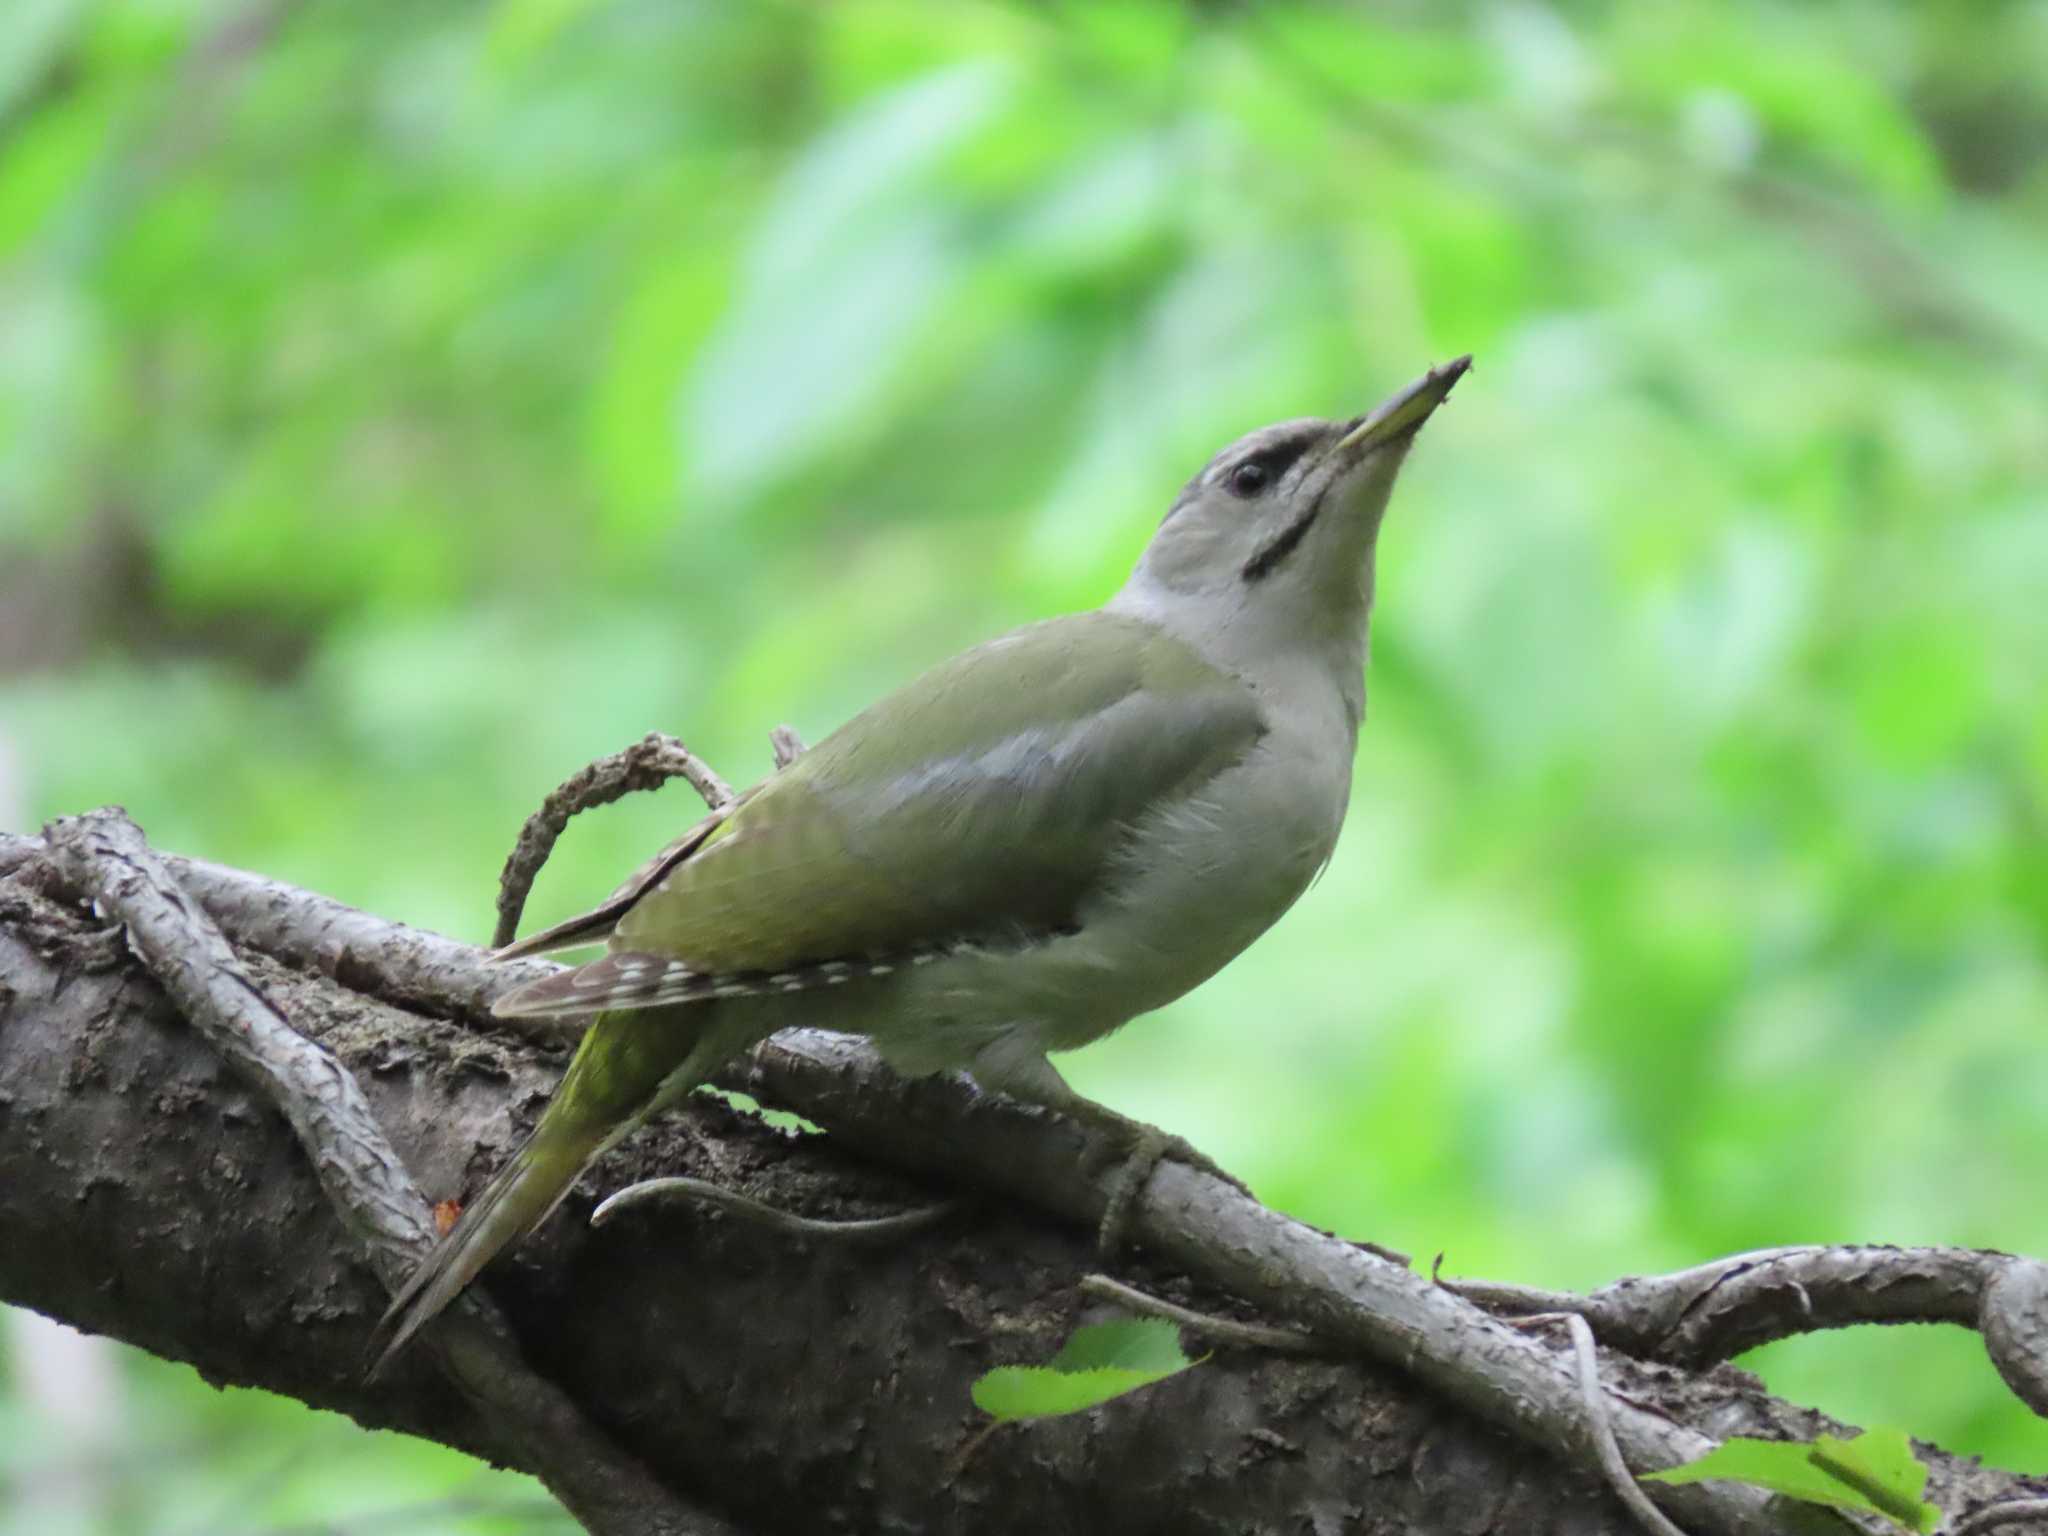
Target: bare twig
[(1713, 1312), (1351, 1298), (408, 967), (648, 764), (1224, 1330), (104, 854), (857, 1229), (405, 966), (787, 746), (1600, 1425)]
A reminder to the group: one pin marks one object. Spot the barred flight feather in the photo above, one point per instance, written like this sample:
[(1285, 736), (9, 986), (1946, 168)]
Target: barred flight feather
[(629, 979)]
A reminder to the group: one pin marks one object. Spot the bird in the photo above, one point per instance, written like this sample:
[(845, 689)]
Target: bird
[(1014, 854)]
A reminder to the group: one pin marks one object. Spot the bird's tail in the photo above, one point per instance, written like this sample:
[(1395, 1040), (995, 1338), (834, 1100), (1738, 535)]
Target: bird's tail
[(516, 1201), (627, 1065)]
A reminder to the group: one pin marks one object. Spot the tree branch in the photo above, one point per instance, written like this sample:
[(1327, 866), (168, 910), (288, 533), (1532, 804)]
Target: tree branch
[(648, 764), (1714, 1312), (781, 1381), (102, 855)]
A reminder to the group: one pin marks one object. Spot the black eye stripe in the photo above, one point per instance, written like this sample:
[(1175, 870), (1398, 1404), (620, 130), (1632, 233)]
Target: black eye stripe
[(1277, 459), (1280, 459)]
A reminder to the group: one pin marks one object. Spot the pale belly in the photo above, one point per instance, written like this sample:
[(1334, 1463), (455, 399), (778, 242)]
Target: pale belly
[(1200, 881)]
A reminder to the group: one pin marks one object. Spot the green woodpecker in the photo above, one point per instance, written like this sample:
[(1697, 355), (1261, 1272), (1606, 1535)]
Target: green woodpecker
[(1019, 852)]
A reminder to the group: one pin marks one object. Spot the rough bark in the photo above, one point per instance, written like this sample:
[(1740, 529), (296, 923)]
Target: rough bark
[(785, 1383)]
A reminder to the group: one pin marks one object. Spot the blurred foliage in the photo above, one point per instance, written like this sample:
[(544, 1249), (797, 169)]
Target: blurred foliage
[(402, 404), (183, 1460)]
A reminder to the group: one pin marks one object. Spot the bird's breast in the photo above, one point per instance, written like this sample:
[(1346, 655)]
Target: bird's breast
[(1199, 879)]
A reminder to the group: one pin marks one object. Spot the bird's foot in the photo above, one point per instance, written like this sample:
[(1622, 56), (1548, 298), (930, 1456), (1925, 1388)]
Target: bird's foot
[(1146, 1147), (1017, 1066)]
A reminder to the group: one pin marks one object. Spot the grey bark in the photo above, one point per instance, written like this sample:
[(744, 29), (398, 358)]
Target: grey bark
[(787, 1384), (104, 856)]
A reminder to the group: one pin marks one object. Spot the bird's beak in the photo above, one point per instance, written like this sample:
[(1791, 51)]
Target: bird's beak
[(1404, 411)]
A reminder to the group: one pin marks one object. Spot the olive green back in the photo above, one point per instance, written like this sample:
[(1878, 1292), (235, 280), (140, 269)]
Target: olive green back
[(985, 800)]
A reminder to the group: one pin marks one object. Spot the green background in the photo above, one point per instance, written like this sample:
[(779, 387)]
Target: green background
[(402, 404)]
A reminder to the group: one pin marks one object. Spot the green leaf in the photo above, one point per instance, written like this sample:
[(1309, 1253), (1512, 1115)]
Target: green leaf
[(1100, 1362), (1875, 1473)]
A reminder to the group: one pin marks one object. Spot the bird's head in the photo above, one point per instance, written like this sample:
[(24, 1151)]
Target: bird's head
[(1281, 524)]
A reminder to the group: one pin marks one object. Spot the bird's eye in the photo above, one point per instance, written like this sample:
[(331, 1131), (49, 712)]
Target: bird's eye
[(1249, 478)]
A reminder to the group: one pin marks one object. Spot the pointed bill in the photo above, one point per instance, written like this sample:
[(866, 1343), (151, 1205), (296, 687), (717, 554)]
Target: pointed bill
[(1406, 409)]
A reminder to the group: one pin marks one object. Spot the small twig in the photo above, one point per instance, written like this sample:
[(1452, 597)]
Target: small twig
[(1224, 1330), (1600, 1425), (2006, 1512), (787, 746), (648, 764), (409, 967), (1713, 1312), (858, 1229), (104, 855), (1357, 1302), (1510, 1300)]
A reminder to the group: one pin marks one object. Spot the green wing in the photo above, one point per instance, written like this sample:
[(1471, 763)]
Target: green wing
[(983, 803)]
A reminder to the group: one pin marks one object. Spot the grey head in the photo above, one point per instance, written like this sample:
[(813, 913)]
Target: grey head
[(1271, 545)]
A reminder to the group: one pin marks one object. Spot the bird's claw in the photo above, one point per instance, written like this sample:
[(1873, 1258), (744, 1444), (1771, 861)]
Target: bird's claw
[(1148, 1147)]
